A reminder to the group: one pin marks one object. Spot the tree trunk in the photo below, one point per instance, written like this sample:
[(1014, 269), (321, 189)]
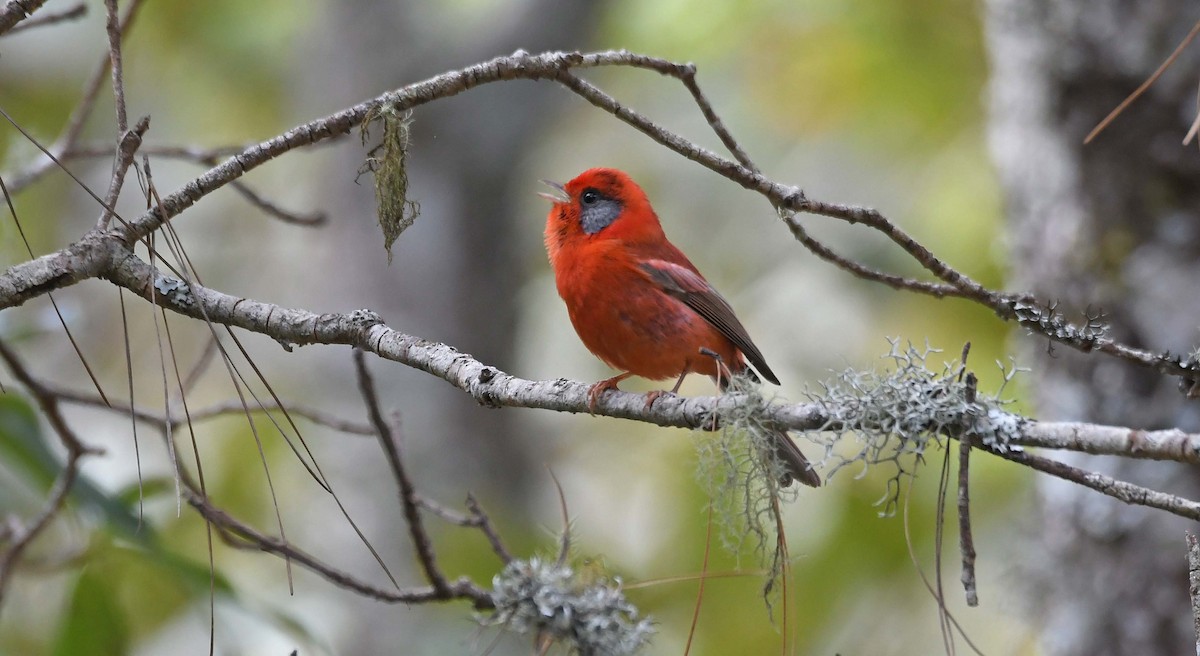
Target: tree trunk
[(1111, 227)]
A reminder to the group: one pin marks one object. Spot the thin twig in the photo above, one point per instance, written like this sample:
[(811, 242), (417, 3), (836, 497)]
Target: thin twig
[(391, 447), (137, 449), (126, 150), (201, 364), (714, 120), (934, 289), (912, 556), (1107, 485), (485, 525), (208, 528), (564, 541), (79, 116), (966, 543), (112, 25), (939, 530), (1193, 557), (221, 409), (314, 415), (1144, 85), (240, 535)]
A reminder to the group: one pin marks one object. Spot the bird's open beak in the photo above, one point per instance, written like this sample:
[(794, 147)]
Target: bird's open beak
[(559, 195)]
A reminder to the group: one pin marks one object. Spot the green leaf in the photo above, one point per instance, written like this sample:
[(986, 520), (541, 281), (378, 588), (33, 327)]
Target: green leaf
[(22, 446), (93, 623), (24, 449)]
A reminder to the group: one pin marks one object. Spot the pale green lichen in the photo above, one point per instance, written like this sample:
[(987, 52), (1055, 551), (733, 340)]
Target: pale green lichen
[(895, 415), (587, 613), (739, 468)]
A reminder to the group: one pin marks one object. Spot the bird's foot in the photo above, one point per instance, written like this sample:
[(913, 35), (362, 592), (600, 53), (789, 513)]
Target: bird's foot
[(601, 387), (651, 397)]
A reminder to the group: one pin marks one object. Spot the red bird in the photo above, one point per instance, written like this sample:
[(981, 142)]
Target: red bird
[(638, 303)]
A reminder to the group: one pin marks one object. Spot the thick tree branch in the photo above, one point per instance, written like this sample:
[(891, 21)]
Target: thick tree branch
[(15, 11), (50, 18), (86, 258), (492, 387)]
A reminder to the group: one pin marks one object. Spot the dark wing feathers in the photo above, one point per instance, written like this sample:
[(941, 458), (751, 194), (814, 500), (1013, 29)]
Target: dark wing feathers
[(695, 292)]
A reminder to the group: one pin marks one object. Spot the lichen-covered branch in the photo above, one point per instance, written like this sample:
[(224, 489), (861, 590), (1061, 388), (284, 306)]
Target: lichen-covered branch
[(492, 387)]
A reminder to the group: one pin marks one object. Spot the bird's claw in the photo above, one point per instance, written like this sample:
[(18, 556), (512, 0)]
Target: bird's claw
[(651, 397), (596, 390)]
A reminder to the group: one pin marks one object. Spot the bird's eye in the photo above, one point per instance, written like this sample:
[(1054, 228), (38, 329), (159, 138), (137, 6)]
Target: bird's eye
[(589, 197)]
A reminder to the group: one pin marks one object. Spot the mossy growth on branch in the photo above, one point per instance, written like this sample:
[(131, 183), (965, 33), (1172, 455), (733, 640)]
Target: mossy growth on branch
[(387, 161), (893, 416), (872, 417), (588, 614)]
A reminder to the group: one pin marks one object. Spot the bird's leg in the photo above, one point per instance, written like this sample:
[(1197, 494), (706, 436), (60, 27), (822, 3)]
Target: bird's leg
[(653, 396), (722, 370), (603, 386)]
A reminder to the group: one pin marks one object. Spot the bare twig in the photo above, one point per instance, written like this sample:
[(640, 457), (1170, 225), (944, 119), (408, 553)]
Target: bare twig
[(939, 528), (50, 18), (476, 519), (228, 407), (714, 121), (314, 415), (211, 157), (966, 543), (126, 150), (133, 424), (1144, 85), (1120, 490), (934, 289), (79, 116), (1193, 557), (242, 536), (485, 525), (391, 447), (113, 26), (945, 614), (201, 364)]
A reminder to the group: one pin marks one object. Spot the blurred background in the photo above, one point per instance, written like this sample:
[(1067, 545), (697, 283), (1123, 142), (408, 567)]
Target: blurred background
[(871, 103)]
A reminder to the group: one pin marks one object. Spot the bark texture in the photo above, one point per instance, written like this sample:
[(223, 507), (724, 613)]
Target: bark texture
[(1114, 226)]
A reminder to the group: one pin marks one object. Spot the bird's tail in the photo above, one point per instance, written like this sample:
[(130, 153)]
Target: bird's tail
[(796, 466)]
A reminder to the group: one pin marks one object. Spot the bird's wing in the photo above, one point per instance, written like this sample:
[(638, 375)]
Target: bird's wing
[(694, 291)]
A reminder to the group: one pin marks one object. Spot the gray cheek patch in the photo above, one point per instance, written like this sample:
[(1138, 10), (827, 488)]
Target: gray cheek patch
[(599, 215)]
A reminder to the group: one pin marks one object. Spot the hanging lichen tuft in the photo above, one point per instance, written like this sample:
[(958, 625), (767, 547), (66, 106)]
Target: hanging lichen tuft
[(387, 162)]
